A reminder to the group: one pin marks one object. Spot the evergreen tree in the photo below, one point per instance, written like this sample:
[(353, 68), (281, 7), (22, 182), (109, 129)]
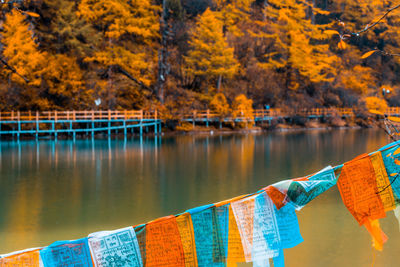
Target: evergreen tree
[(20, 50), (130, 29), (210, 57)]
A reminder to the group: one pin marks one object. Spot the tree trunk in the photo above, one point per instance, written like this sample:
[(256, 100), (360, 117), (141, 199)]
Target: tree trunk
[(219, 83), (163, 67)]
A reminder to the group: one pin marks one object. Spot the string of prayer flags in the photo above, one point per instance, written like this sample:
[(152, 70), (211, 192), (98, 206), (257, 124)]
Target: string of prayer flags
[(358, 188), (67, 253), (140, 231), (186, 232), (258, 228), (210, 227), (385, 191), (163, 243), (249, 228), (235, 247), (391, 160), (115, 248), (28, 258), (288, 226), (302, 191)]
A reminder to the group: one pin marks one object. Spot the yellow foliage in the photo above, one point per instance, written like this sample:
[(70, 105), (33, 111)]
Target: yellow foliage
[(134, 63), (298, 42), (242, 107), (233, 12), (65, 80), (359, 79), (210, 55), (184, 127), (374, 103), (118, 17), (219, 105), (20, 50)]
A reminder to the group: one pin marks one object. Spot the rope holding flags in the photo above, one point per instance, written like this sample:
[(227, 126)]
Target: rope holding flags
[(256, 228)]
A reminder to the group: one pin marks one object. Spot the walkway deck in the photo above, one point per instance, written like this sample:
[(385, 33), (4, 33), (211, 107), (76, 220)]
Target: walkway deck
[(89, 122)]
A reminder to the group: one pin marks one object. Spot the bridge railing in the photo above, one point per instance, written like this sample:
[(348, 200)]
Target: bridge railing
[(86, 115), (77, 115)]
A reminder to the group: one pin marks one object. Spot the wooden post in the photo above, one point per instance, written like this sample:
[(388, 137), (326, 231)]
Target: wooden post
[(125, 116), (37, 125), (92, 123), (29, 115), (12, 115), (55, 115), (193, 119), (208, 114), (53, 124), (19, 124), (141, 121), (73, 115), (109, 123)]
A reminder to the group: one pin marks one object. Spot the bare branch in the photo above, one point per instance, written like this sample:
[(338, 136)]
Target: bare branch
[(369, 26), (13, 70), (387, 53), (129, 76)]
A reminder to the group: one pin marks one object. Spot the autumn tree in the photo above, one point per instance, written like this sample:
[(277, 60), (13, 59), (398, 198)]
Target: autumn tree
[(210, 57), (130, 29), (242, 107), (66, 32), (26, 64), (220, 106), (299, 49)]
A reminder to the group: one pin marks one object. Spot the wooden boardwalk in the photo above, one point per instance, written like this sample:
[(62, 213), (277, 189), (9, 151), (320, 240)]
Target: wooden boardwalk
[(89, 122), (16, 123)]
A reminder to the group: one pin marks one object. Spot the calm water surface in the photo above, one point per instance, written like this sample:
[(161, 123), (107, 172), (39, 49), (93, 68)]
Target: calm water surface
[(64, 190)]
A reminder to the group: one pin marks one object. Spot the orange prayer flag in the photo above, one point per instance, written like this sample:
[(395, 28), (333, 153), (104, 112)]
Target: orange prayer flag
[(185, 227), (163, 243), (235, 247), (28, 258), (378, 236), (277, 197), (358, 189), (384, 189)]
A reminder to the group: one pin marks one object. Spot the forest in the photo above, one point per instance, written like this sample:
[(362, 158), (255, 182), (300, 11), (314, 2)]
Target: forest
[(177, 55)]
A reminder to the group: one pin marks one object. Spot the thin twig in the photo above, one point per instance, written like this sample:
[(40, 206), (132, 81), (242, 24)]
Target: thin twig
[(369, 26), (13, 70)]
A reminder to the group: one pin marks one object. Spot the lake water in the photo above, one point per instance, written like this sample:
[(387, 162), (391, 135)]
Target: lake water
[(64, 190)]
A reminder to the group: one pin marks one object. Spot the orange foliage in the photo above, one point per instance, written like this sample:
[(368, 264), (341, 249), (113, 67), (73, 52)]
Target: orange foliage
[(374, 103), (210, 56), (242, 107), (219, 105), (21, 51)]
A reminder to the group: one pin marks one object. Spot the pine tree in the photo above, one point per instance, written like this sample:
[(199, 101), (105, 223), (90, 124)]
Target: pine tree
[(298, 44), (210, 57), (20, 50), (130, 30), (67, 32)]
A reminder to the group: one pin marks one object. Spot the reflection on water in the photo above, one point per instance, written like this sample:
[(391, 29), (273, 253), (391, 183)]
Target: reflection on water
[(64, 190)]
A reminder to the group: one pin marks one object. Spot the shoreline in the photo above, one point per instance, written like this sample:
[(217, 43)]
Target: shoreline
[(201, 131)]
